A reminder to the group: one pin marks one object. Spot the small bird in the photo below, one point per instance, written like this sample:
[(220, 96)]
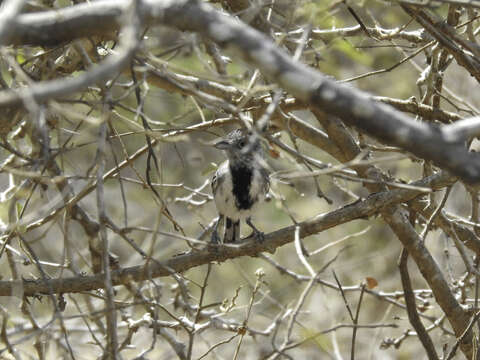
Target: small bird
[(239, 184)]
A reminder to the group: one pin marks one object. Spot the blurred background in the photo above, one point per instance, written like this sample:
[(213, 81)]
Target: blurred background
[(171, 71)]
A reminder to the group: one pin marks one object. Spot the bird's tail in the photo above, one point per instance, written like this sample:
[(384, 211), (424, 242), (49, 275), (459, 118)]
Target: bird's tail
[(232, 231)]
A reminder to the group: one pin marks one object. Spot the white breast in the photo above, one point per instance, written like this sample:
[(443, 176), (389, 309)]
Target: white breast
[(224, 198)]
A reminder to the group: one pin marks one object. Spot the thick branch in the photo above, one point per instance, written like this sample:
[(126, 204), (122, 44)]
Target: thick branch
[(352, 106), (398, 220), (447, 37)]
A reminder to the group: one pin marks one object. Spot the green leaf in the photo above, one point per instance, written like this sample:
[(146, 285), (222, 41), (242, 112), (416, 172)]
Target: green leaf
[(20, 57), (19, 208), (353, 54)]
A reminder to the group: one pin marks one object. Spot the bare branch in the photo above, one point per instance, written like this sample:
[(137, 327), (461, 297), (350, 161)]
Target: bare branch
[(352, 106)]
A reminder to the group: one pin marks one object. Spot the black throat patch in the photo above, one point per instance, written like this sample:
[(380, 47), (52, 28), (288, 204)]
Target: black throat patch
[(242, 176)]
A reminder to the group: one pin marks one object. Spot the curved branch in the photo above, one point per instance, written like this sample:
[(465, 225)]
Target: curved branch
[(62, 87), (48, 28), (352, 106)]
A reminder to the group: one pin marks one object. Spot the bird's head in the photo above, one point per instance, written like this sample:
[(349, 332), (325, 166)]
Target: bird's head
[(239, 144)]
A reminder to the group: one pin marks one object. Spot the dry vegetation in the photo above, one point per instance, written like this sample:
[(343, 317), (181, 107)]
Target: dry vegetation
[(368, 112)]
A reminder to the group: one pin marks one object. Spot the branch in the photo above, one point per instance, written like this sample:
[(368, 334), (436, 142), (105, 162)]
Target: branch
[(8, 12), (59, 88), (425, 111), (420, 3), (416, 37), (397, 218), (413, 316), (361, 209), (352, 106), (447, 37)]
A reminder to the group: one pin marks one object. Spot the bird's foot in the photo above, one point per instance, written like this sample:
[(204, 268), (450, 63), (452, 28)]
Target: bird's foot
[(215, 239), (214, 242), (258, 236)]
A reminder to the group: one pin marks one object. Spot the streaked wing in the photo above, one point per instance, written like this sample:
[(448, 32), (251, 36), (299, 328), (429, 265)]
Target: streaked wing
[(218, 178), (214, 183), (266, 177)]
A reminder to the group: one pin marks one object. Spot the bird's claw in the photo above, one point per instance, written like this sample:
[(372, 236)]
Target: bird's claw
[(214, 242), (259, 236), (215, 238)]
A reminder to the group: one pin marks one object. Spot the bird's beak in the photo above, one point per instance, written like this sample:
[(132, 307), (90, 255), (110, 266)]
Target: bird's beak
[(222, 144)]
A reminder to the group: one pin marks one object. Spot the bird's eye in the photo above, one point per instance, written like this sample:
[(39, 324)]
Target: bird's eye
[(241, 143)]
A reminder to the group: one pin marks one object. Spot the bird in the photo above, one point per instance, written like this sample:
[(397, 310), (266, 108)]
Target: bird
[(240, 183)]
